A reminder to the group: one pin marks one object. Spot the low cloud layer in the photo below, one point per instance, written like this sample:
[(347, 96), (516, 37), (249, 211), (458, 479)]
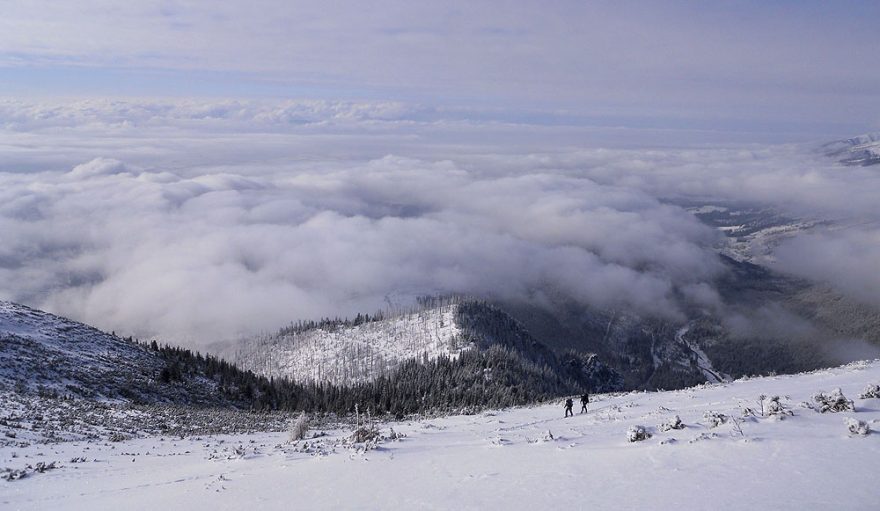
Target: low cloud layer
[(147, 219), (218, 254), (848, 260)]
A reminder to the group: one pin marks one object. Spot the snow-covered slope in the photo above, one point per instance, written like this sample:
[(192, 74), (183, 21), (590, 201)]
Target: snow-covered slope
[(41, 351), (727, 455), (50, 355), (862, 150), (345, 353)]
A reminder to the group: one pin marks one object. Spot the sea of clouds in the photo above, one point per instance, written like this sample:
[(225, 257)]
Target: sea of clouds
[(200, 221)]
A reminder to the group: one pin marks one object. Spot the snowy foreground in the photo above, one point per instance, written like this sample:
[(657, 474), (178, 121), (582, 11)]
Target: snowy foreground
[(528, 458)]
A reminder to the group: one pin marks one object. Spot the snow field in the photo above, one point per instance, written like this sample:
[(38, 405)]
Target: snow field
[(524, 458)]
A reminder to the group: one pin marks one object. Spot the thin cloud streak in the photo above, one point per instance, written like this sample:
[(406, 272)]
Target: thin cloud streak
[(729, 64)]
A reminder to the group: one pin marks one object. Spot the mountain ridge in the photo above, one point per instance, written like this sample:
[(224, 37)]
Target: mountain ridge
[(862, 150)]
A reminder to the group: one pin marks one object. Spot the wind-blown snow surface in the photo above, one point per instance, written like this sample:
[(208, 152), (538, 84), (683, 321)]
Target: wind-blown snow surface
[(501, 460), (350, 354)]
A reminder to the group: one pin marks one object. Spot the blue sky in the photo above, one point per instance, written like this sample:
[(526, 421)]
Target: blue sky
[(789, 70)]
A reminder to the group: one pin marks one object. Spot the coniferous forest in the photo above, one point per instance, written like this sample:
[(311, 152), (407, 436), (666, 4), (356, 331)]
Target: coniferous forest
[(508, 368)]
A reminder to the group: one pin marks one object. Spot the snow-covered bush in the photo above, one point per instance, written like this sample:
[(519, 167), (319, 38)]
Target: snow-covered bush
[(42, 466), (857, 427), (9, 474), (637, 434), (703, 436), (871, 391), (368, 437), (671, 423), (714, 419), (773, 407), (833, 401), (319, 447), (117, 437), (298, 428), (499, 441), (394, 436), (364, 434)]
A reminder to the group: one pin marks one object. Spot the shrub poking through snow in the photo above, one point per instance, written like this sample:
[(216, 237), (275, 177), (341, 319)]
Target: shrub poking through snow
[(714, 419), (548, 437), (9, 474), (871, 391), (368, 437), (833, 401), (702, 436), (671, 423), (736, 427), (395, 436), (298, 428), (364, 434), (857, 427), (773, 407), (42, 466), (637, 434)]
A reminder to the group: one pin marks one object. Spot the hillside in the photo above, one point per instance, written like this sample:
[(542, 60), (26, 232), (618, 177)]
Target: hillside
[(54, 357), (47, 354), (455, 332), (625, 350), (760, 443), (349, 352)]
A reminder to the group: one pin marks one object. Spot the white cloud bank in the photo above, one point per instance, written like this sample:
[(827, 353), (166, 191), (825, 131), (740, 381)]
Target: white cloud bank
[(200, 221)]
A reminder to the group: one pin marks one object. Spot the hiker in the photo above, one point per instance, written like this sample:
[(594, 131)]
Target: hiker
[(568, 404), (584, 400)]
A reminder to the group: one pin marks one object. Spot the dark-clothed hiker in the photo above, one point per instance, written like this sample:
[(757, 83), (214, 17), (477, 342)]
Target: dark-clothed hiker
[(568, 404), (584, 400)]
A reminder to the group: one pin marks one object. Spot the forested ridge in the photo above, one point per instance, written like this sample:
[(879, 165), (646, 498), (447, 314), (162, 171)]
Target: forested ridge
[(509, 368)]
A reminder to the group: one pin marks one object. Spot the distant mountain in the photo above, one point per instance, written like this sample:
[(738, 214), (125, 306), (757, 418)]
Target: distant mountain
[(863, 150)]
